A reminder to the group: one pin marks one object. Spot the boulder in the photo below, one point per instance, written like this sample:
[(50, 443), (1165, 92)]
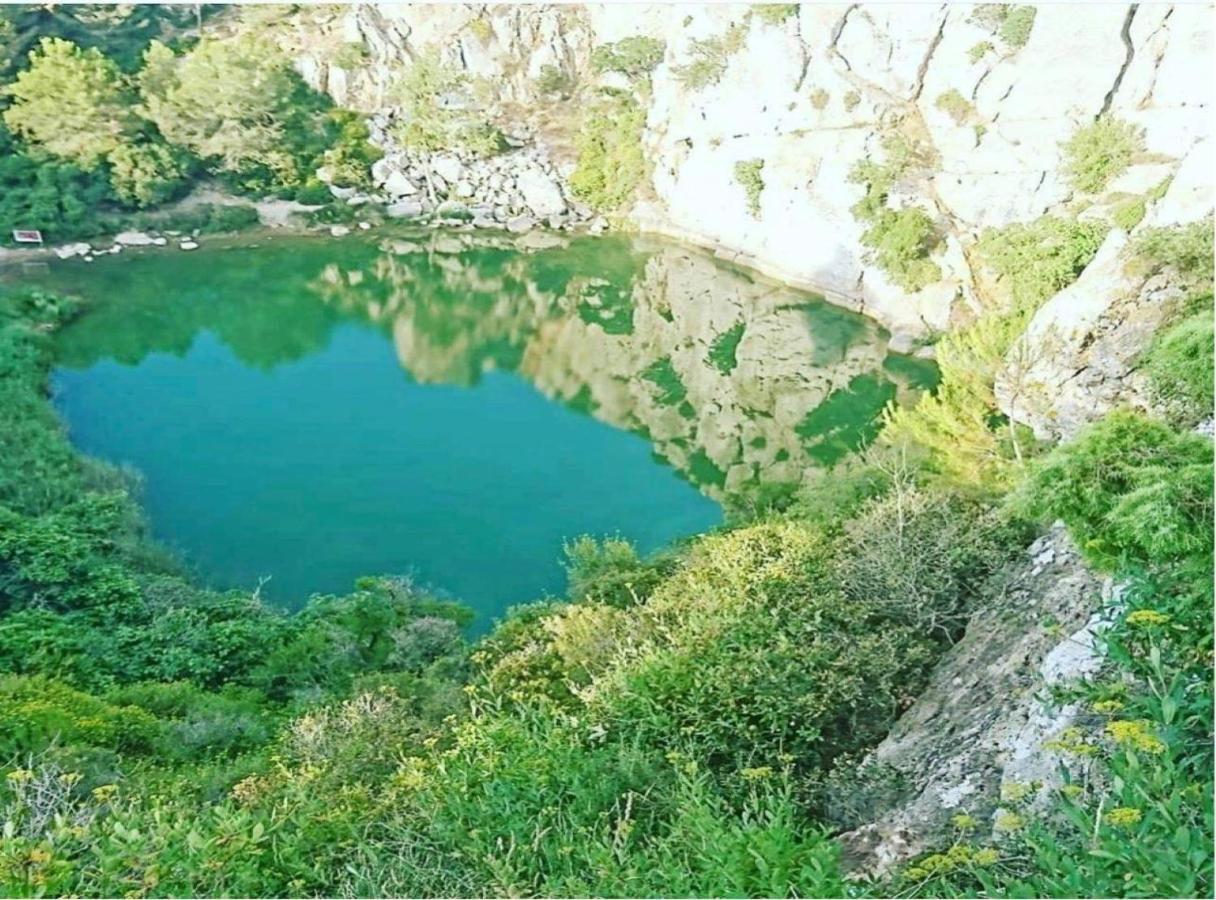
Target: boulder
[(520, 224), (188, 245), (67, 251), (449, 168), (398, 185), (339, 230), (541, 193), (134, 239), (404, 209)]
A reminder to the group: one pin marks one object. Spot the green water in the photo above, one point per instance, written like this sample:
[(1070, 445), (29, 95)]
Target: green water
[(451, 408)]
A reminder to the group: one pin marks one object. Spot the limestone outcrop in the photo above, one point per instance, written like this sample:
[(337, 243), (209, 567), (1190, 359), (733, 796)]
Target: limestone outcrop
[(811, 94)]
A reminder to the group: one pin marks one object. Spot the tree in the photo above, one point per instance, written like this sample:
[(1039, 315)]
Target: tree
[(226, 101), (73, 103)]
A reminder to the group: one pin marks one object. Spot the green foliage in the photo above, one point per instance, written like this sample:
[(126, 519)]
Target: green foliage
[(1098, 153), (851, 100), (1130, 489), (146, 174), (72, 103), (749, 176), (611, 165), (955, 105), (36, 712), (433, 119), (774, 13), (610, 572), (1129, 213), (902, 241), (1017, 25), (979, 51), (635, 57), (1040, 258), (1186, 249), (552, 80), (723, 351), (1179, 367), (819, 98), (709, 57)]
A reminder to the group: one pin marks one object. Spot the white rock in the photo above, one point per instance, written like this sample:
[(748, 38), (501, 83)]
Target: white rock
[(404, 209), (188, 245), (339, 230), (541, 193), (67, 251), (520, 224), (398, 185), (134, 239), (448, 168), (382, 169), (364, 226)]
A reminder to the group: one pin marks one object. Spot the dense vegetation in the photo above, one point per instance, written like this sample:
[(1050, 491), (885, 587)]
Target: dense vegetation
[(88, 137), (678, 725)]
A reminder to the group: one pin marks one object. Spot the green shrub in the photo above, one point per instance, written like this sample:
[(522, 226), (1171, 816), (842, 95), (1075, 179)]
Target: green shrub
[(552, 80), (1179, 368), (819, 98), (709, 58), (431, 124), (610, 572), (902, 241), (1130, 489), (37, 712), (1186, 249), (635, 57), (748, 176), (851, 101), (1129, 213), (1016, 27), (955, 105), (774, 13), (979, 51), (611, 165), (1040, 258), (1100, 152)]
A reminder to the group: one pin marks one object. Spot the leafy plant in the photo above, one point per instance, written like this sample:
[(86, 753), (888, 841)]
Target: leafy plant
[(709, 58), (1098, 153), (748, 174), (635, 57), (955, 105), (611, 165)]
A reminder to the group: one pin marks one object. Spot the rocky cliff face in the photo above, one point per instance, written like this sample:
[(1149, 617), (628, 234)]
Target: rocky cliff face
[(813, 93)]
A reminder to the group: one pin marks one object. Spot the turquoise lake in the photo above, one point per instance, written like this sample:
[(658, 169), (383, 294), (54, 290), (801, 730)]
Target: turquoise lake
[(299, 412)]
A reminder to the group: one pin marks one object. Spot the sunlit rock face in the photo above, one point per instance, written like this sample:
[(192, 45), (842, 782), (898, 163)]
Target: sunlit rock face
[(736, 380), (812, 95)]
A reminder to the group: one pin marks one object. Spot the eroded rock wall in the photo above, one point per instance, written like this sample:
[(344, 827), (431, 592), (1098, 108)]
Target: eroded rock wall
[(813, 94)]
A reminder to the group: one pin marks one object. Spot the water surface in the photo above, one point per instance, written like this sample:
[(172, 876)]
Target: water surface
[(452, 408)]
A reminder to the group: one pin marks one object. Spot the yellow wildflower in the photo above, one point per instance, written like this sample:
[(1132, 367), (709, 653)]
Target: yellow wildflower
[(38, 856), (1146, 618), (1015, 792), (963, 822), (758, 773), (987, 857), (1135, 735), (70, 778), (105, 792), (1124, 816), (1009, 822), (19, 776), (1072, 791), (1071, 740), (1107, 707)]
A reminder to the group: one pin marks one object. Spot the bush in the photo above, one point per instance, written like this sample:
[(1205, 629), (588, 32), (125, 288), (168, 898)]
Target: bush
[(851, 101), (1187, 249), (610, 572), (774, 13), (902, 241), (1130, 489), (1098, 153), (37, 712), (955, 105), (748, 176), (611, 165), (552, 80), (979, 51), (635, 57), (1017, 25), (819, 98), (1040, 258), (923, 557), (1179, 368), (709, 58), (431, 122)]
